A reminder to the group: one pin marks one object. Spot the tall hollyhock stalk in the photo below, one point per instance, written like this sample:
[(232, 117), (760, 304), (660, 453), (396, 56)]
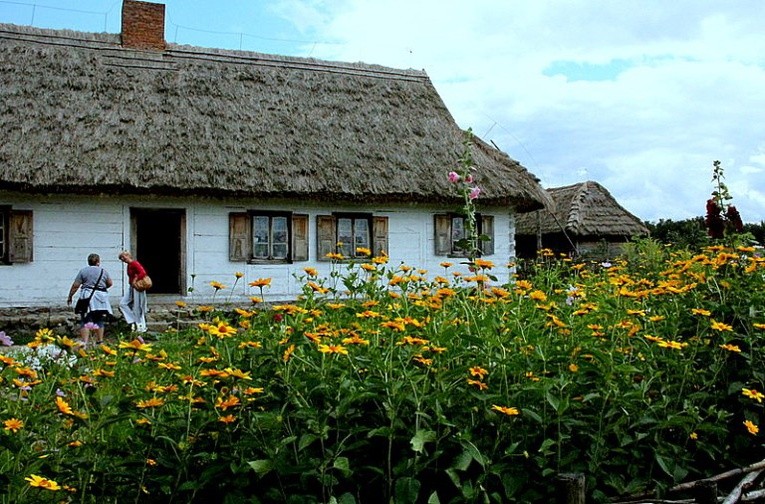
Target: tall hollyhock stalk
[(721, 218), (463, 177)]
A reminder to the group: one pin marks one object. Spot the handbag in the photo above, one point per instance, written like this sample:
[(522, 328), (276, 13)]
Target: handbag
[(143, 284), (83, 304)]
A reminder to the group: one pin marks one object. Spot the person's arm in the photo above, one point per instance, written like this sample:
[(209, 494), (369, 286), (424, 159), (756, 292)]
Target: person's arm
[(109, 282), (75, 285)]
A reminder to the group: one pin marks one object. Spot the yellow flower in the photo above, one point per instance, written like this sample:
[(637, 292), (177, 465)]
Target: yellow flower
[(13, 424), (751, 427), (222, 330), (483, 264), (63, 406), (478, 383), (702, 312), (151, 462), (135, 345), (340, 349), (180, 304), (719, 326), (757, 325), (446, 264), (288, 353), (238, 274), (261, 282), (40, 482), (676, 345), (731, 348), (154, 402), (753, 394), (538, 295), (693, 436), (573, 367), (227, 419), (478, 371), (217, 285), (510, 411), (311, 272), (363, 251), (225, 404)]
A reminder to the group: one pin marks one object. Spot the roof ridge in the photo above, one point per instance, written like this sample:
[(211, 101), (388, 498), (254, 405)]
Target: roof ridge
[(101, 41)]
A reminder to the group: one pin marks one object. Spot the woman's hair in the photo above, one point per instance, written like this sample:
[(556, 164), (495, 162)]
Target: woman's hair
[(93, 259), (125, 254)]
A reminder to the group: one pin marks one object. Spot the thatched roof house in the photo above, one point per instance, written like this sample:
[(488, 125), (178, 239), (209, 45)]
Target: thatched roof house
[(206, 162), (83, 113), (583, 219)]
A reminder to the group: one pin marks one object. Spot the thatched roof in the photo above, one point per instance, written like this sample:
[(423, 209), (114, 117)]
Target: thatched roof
[(584, 209), (80, 113)]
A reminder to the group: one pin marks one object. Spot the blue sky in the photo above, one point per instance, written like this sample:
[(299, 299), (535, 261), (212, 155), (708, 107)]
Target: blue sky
[(641, 100)]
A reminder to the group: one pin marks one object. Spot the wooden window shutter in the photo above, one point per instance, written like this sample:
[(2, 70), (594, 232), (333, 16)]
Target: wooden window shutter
[(443, 233), (299, 237), (487, 230), (239, 237), (326, 236), (380, 236), (20, 232)]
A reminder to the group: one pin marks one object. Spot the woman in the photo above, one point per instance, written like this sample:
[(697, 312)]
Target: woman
[(133, 304), (93, 282)]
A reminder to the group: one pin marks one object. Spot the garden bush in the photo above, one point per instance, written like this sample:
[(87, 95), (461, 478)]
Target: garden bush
[(385, 383)]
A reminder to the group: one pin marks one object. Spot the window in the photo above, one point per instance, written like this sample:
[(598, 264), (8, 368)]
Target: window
[(15, 235), (262, 236), (345, 233), (450, 229)]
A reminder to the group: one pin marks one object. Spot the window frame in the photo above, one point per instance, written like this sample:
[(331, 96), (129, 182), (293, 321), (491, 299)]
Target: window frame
[(354, 217), (17, 228), (327, 236), (484, 222), (270, 215), (242, 237)]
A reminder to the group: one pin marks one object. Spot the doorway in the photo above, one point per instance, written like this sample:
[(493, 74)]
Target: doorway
[(158, 236)]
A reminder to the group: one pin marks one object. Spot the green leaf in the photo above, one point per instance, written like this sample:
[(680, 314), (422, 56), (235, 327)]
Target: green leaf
[(553, 401), (343, 465), (261, 467), (474, 453), (407, 490), (433, 499), (663, 464), (420, 438), (306, 440), (463, 460)]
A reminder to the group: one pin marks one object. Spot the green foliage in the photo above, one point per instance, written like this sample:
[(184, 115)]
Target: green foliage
[(638, 374)]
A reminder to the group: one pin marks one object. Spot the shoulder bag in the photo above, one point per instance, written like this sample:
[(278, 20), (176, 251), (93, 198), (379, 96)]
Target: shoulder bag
[(83, 304)]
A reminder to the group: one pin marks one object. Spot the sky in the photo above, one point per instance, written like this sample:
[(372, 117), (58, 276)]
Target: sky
[(641, 97)]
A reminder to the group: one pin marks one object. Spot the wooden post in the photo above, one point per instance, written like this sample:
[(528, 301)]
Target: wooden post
[(570, 488)]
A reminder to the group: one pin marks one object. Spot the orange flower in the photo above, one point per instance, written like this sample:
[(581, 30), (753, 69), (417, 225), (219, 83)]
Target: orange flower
[(509, 411), (478, 371), (63, 406), (261, 282), (477, 383), (227, 419), (154, 402), (13, 424)]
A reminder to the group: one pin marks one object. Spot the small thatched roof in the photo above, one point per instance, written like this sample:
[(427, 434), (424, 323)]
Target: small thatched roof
[(584, 209), (82, 114)]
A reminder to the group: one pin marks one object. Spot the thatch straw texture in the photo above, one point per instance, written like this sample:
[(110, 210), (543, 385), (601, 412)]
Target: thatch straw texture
[(584, 209), (79, 113)]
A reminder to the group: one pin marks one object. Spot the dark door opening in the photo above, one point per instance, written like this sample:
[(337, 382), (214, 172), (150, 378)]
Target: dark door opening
[(158, 238)]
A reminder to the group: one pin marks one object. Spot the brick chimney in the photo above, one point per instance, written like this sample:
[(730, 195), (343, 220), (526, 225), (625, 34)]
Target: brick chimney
[(143, 25)]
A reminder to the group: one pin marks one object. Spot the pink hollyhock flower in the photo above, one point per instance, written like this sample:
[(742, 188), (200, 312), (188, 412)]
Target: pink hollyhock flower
[(469, 179), (453, 177), (474, 192)]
